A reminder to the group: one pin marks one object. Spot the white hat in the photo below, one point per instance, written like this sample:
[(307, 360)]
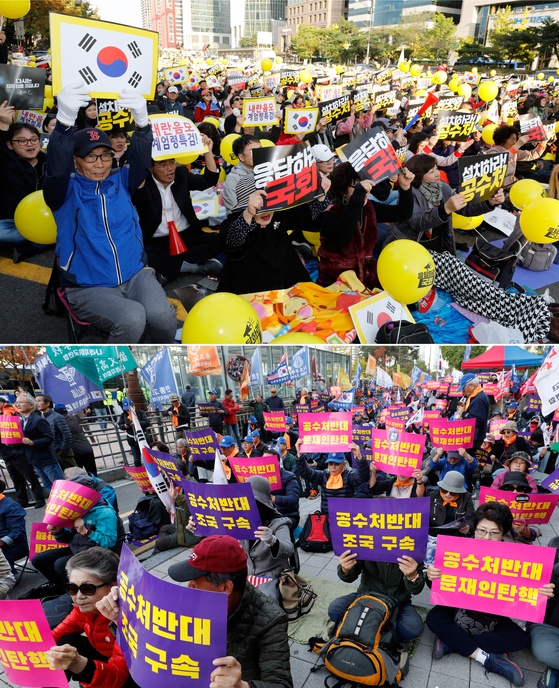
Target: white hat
[(322, 153), (172, 89)]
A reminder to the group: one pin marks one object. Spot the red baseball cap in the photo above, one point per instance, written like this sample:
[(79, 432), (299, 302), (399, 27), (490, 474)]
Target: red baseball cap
[(215, 554)]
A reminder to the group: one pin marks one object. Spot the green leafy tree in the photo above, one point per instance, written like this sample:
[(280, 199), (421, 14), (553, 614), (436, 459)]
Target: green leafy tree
[(548, 41), (440, 37), (454, 355), (469, 49), (307, 41), (513, 42), (248, 41)]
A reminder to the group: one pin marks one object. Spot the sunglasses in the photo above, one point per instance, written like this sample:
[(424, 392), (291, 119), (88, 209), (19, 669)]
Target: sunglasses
[(87, 589)]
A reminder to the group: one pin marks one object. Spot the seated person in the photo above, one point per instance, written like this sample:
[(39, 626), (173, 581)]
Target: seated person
[(286, 499), (259, 445), (519, 462), (494, 635), (249, 451), (483, 457), (85, 641), (398, 486), (459, 461), (257, 642), (13, 536), (508, 445), (520, 532), (99, 485), (287, 460), (177, 534), (7, 580), (450, 503), (338, 480)]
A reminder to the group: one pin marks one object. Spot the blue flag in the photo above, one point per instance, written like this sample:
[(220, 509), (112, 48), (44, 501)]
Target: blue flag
[(515, 380), (158, 372), (300, 363), (281, 373), (66, 385), (525, 375), (255, 373), (344, 401), (467, 352), (357, 377)]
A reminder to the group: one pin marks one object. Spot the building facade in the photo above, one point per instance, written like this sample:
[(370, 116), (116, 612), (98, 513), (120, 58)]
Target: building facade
[(478, 15), (318, 13), (377, 13)]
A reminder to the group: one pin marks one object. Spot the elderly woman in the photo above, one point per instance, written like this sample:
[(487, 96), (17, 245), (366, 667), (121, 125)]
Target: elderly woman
[(492, 635), (519, 462), (85, 641), (451, 503), (509, 444), (506, 140), (433, 204)]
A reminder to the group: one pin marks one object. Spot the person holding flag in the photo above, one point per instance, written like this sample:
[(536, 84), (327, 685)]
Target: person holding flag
[(126, 424)]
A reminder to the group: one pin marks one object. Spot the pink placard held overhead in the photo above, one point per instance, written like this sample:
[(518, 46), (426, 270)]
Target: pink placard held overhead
[(10, 430), (25, 637), (275, 421), (325, 432), (490, 576), (42, 540), (398, 453), (454, 434), (556, 415), (68, 501), (266, 466), (496, 425)]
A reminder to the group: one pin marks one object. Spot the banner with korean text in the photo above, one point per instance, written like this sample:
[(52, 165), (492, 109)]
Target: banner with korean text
[(266, 466), (530, 507), (139, 475), (329, 432), (275, 421), (42, 539), (202, 443), (67, 502), (481, 176), (10, 430), (174, 135), (453, 434), (372, 156), (398, 453)]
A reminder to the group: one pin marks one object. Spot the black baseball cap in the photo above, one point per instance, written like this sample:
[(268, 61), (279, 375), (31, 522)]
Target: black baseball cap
[(87, 140)]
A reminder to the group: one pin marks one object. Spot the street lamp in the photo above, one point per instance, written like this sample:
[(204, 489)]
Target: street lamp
[(369, 32)]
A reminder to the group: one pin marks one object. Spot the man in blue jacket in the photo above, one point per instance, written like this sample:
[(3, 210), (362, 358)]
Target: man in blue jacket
[(101, 260), (477, 405), (13, 537)]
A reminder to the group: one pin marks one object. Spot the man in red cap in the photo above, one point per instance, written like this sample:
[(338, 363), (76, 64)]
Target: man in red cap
[(257, 642)]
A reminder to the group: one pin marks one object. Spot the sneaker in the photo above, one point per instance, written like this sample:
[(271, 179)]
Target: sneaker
[(191, 268), (502, 665), (549, 678), (213, 267), (440, 649), (313, 494)]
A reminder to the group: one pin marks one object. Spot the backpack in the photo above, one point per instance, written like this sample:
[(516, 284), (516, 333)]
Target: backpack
[(494, 263), (139, 525), (316, 536), (536, 257), (363, 650), (410, 333)]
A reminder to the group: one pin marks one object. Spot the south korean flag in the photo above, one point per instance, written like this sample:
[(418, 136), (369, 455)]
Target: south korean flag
[(107, 57), (297, 121), (176, 75)]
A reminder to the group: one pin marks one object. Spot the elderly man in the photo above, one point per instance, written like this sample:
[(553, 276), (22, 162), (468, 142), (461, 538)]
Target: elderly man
[(216, 417), (180, 416), (257, 642), (99, 246), (274, 402), (477, 405), (38, 441)]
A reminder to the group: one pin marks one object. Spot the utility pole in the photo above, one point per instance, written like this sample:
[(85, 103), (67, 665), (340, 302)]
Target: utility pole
[(369, 32)]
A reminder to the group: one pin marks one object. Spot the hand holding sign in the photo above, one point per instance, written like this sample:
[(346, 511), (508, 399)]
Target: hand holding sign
[(130, 99), (7, 113), (454, 203), (255, 203)]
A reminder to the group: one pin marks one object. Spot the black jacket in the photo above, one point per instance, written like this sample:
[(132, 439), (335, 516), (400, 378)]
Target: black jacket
[(287, 499), (38, 429), (130, 434), (441, 514), (479, 409), (215, 419), (275, 403), (182, 413)]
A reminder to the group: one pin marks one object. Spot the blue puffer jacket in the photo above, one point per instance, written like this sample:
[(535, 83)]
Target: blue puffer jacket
[(99, 240), (12, 522)]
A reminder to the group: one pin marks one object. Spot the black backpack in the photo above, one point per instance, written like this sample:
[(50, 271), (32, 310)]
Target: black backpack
[(492, 262), (316, 536), (139, 525), (408, 333)]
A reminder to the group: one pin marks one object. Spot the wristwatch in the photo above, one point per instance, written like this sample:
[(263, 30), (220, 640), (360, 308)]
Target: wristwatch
[(416, 578)]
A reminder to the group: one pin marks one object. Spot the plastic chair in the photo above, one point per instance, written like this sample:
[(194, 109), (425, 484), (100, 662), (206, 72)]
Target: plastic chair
[(76, 327)]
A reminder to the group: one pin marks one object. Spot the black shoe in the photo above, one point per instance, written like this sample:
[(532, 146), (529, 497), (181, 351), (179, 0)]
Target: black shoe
[(40, 505)]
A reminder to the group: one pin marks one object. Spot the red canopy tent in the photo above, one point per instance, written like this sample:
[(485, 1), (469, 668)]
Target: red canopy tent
[(499, 357)]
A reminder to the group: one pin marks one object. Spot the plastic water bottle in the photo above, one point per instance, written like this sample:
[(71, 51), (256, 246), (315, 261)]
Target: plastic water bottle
[(477, 488)]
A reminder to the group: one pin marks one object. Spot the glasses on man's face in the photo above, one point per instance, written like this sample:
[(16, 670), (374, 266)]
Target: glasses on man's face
[(87, 589), (165, 164), (483, 534), (24, 142), (105, 157)]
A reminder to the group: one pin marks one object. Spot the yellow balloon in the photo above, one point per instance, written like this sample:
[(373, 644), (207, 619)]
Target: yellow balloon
[(305, 76), (539, 221), (341, 69), (227, 149), (524, 191), (266, 143), (488, 91), (297, 338), (440, 77), (182, 63), (212, 120), (209, 62), (474, 70), (492, 72), (187, 158), (222, 318), (14, 9), (222, 174), (550, 79), (266, 64), (404, 66), (279, 60), (48, 51), (406, 270), (454, 85), (48, 91), (541, 76), (421, 93), (415, 70), (465, 90), (461, 222), (34, 219), (487, 134)]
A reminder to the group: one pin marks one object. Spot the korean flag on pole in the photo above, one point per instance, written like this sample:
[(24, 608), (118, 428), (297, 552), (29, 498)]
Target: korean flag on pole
[(281, 373), (344, 401), (107, 57), (297, 121)]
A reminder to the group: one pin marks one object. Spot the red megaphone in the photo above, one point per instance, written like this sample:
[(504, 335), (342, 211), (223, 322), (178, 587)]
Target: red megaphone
[(176, 244), (431, 99)]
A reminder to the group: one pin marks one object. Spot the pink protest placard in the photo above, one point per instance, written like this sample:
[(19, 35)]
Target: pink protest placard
[(139, 475), (490, 388), (398, 453), (399, 425), (429, 416), (275, 421), (42, 540), (491, 576), (531, 507), (325, 431), (67, 502), (453, 434), (10, 430), (556, 415), (443, 388), (441, 404), (266, 466), (432, 385), (335, 391), (496, 425), (358, 409), (453, 391), (25, 637), (383, 416)]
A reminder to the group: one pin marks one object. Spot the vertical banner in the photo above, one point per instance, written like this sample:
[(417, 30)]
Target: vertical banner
[(481, 176), (158, 372), (300, 363), (255, 371), (203, 360)]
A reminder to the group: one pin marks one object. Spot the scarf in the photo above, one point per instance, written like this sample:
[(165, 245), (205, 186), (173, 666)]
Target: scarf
[(226, 469), (335, 482), (409, 481), (476, 391), (510, 441), (445, 503), (432, 192), (511, 414)]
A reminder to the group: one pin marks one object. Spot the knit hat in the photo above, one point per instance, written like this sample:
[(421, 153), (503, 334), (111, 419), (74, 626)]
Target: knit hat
[(510, 425)]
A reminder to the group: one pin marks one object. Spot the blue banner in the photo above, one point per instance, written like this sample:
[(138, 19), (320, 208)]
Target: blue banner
[(344, 401), (515, 380), (300, 364), (357, 377), (66, 385), (158, 372), (255, 371), (467, 352), (281, 373)]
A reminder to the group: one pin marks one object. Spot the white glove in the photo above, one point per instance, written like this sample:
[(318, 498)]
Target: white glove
[(268, 538), (70, 100), (135, 102)]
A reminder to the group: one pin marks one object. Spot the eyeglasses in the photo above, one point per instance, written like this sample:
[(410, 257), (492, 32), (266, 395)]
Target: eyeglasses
[(165, 163), (87, 589), (492, 534), (105, 157), (23, 142), (507, 432), (451, 494)]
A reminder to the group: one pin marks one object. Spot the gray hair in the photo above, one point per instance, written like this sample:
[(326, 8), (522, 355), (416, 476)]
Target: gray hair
[(475, 381), (238, 578), (29, 398), (73, 471), (100, 562), (181, 442)]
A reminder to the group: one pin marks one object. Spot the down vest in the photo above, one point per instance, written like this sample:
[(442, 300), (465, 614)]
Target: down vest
[(114, 673), (351, 480), (257, 638)]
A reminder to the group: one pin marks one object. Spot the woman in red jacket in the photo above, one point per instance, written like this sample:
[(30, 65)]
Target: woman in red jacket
[(95, 660)]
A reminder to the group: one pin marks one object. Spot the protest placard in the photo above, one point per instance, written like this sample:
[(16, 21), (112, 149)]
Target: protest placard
[(25, 637), (302, 408), (176, 75), (271, 80), (31, 117), (174, 135), (398, 453), (237, 83), (455, 126), (380, 529), (289, 77), (335, 391), (454, 434), (42, 539), (300, 120), (395, 423), (288, 174), (10, 430), (500, 578), (362, 101), (531, 127), (531, 507), (318, 409), (433, 385), (551, 482), (450, 102), (383, 100), (332, 92), (429, 416), (22, 87), (399, 412), (167, 464), (495, 427), (111, 115), (325, 432), (139, 475), (67, 502), (266, 466), (107, 57), (259, 112), (481, 176), (275, 421), (223, 509), (361, 434), (491, 388), (441, 404), (202, 443), (534, 403), (159, 643), (335, 109)]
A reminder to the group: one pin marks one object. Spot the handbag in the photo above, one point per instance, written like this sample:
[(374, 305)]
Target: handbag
[(492, 262), (408, 333), (297, 595)]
